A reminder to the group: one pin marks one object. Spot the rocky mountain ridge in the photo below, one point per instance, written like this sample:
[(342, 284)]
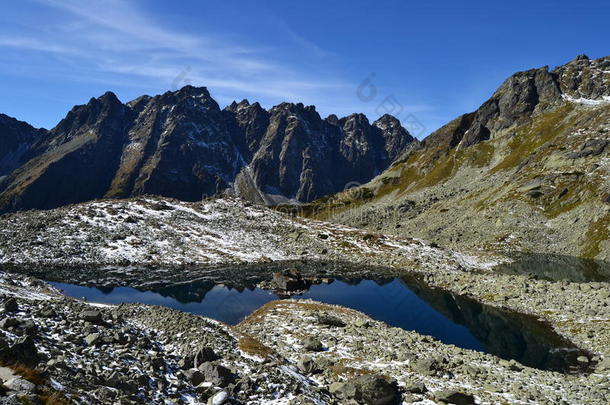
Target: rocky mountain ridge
[(182, 144), (528, 170), (17, 143)]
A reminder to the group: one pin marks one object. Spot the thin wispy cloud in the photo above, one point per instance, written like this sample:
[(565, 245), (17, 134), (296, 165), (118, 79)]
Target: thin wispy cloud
[(122, 46), (118, 38)]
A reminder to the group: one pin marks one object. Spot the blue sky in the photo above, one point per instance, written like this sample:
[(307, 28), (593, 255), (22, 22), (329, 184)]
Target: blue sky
[(427, 62)]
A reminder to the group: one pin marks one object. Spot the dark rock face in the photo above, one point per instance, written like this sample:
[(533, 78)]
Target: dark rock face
[(302, 157), (521, 95), (182, 145), (77, 159), (249, 123), (24, 352), (177, 146), (17, 141)]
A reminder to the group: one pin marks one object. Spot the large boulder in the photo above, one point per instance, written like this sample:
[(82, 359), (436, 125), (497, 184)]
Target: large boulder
[(92, 339), (217, 374), (23, 352), (311, 344), (203, 355), (367, 389), (428, 366), (10, 305), (307, 366), (92, 316), (330, 320)]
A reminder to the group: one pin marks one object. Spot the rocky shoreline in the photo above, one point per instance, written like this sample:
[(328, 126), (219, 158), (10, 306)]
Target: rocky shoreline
[(223, 233), (287, 352)]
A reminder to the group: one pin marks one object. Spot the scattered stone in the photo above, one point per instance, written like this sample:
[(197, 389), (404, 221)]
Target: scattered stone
[(9, 323), (330, 320), (92, 339), (603, 365), (48, 313), (92, 316), (217, 374), (195, 376), (10, 305), (203, 355), (219, 398), (415, 387), (307, 366), (20, 385), (312, 344), (23, 352), (187, 362), (367, 389), (454, 397), (427, 366)]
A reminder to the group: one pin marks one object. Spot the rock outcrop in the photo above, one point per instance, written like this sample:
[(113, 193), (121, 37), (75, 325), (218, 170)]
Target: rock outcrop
[(523, 94)]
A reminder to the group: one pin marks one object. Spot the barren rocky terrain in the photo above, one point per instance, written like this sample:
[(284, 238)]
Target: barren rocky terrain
[(206, 235)]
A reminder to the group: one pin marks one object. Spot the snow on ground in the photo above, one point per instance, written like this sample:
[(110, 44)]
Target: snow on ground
[(586, 101), (367, 346), (164, 232)]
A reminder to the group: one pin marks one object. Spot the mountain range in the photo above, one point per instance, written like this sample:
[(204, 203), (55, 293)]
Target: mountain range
[(529, 170), (181, 144)]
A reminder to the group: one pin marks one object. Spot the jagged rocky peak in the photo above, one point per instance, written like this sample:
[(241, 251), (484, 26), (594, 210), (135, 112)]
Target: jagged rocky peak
[(190, 97), (396, 138), (247, 123), (332, 119), (355, 119), (523, 94), (243, 104), (295, 108), (181, 144), (523, 91), (139, 103), (100, 116), (387, 121), (585, 78)]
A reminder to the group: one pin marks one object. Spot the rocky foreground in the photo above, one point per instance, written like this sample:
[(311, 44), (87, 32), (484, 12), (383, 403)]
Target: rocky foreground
[(287, 352)]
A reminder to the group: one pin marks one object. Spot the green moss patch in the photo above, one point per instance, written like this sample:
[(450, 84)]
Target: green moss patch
[(596, 234), (530, 137)]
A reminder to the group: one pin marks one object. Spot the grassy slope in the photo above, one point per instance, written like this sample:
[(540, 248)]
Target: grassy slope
[(534, 151)]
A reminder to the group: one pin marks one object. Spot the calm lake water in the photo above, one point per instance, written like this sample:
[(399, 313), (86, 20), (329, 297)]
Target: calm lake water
[(556, 267), (398, 302)]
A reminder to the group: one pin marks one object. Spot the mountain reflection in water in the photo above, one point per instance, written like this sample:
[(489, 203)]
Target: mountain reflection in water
[(401, 302)]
